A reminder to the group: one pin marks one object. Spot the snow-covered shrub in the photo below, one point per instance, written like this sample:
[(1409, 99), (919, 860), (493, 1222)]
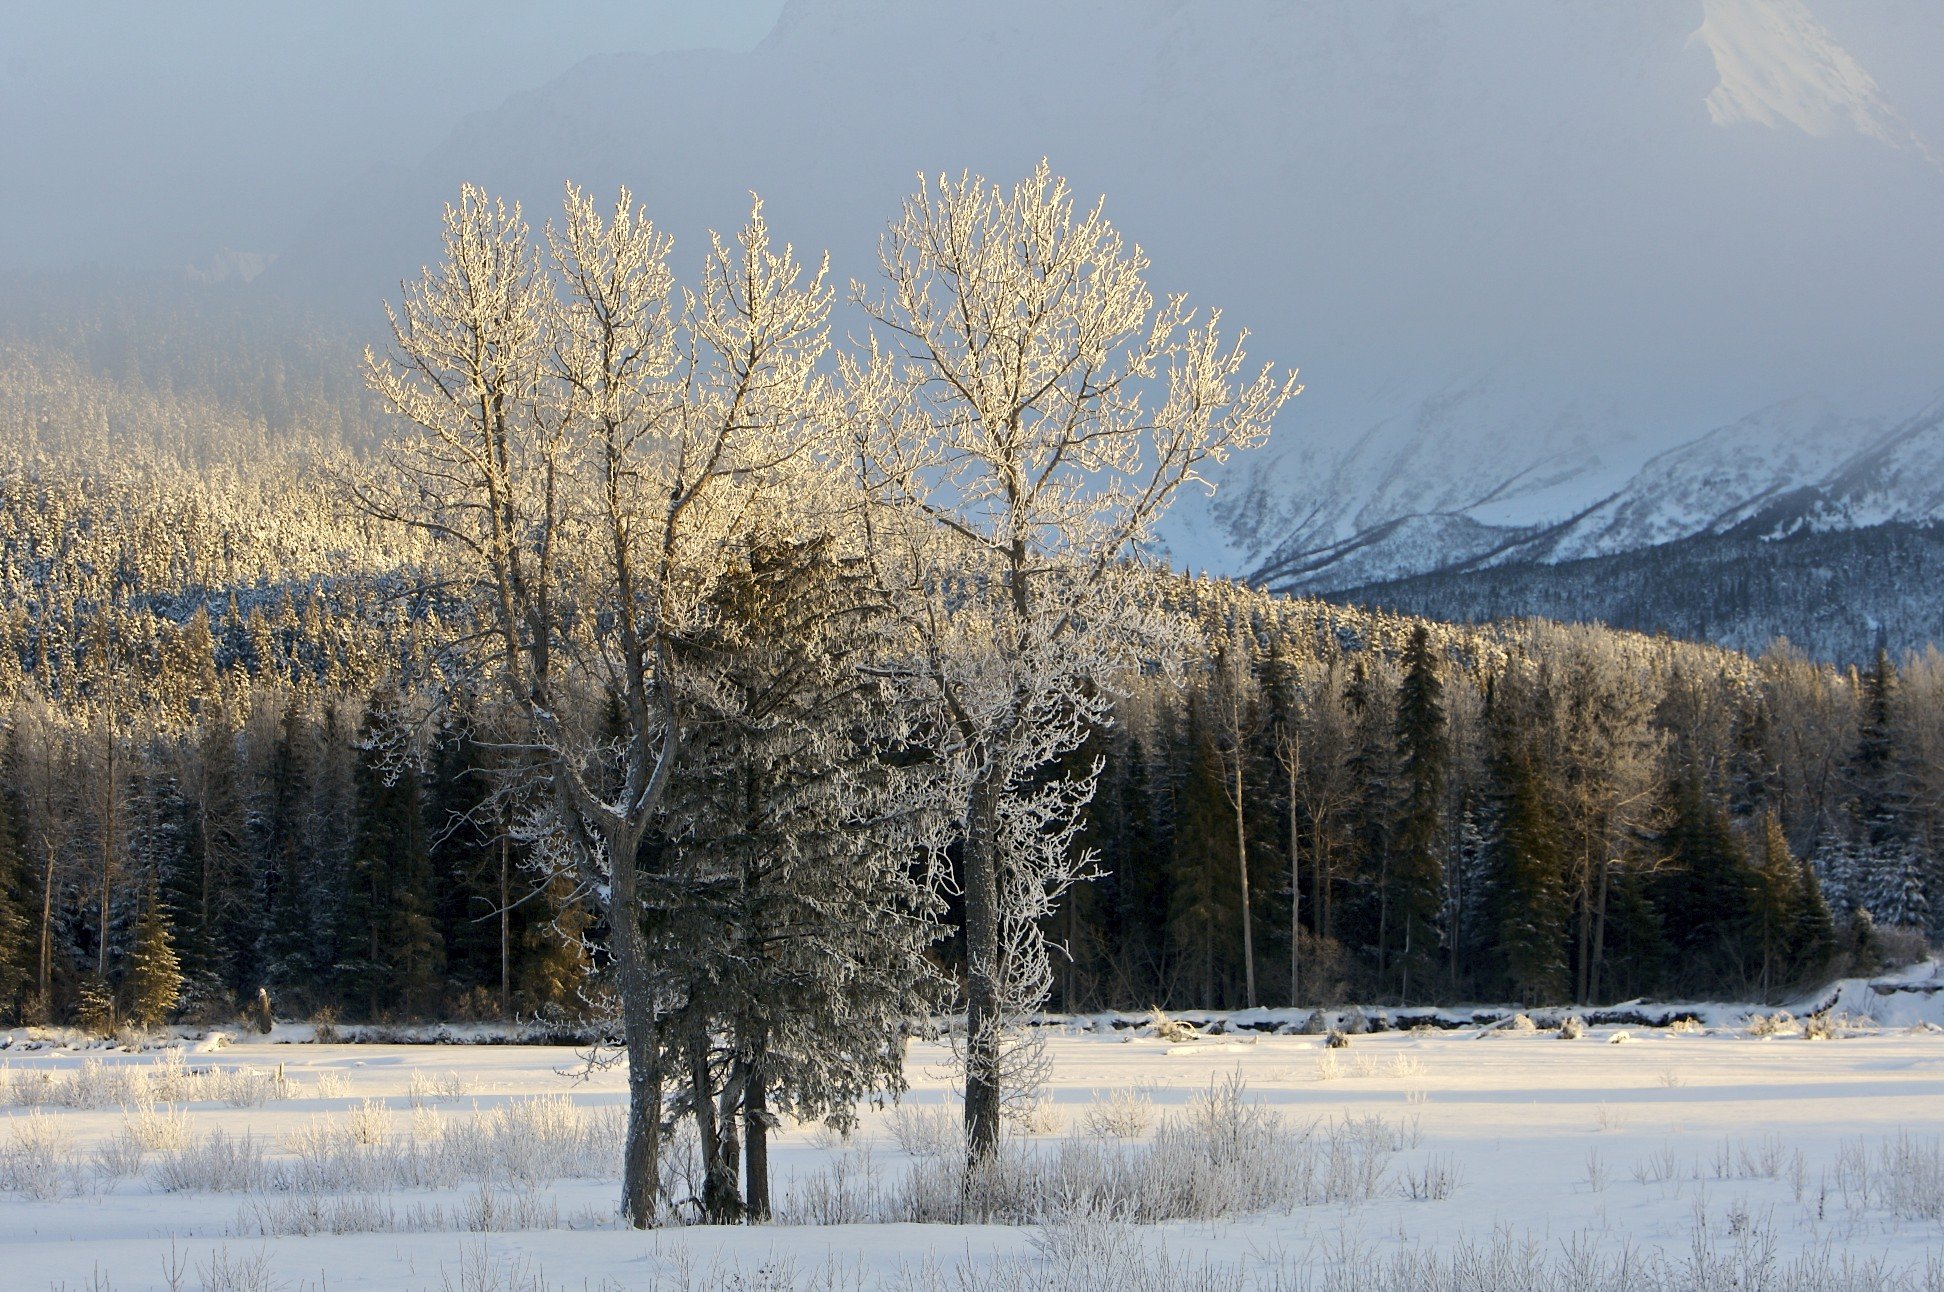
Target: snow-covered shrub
[(37, 1157), (1316, 1024), (1819, 1027), (280, 1215), (217, 1163), (157, 1128), (119, 1156), (1337, 1040), (1521, 1025), (1355, 1022), (1123, 1114), (1223, 1155), (247, 1087), (1572, 1028), (369, 1121), (1035, 1116), (331, 1085), (927, 1130), (1433, 1180), (1780, 1023), (1686, 1024)]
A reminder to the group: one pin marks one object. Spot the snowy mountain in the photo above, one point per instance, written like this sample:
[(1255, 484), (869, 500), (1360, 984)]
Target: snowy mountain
[(1521, 252)]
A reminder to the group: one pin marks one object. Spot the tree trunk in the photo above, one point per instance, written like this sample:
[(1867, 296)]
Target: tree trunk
[(983, 1021), (47, 932), (1242, 874), (641, 1159), (1599, 935), (756, 1182), (506, 927), (1295, 901)]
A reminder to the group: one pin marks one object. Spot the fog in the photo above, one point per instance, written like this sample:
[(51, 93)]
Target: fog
[(1515, 247), (152, 136)]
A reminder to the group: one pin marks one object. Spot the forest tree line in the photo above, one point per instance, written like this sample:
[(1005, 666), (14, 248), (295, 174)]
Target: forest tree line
[(1526, 812), (210, 669)]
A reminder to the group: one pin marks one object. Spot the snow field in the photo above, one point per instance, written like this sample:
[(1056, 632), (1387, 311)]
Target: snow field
[(1460, 1159)]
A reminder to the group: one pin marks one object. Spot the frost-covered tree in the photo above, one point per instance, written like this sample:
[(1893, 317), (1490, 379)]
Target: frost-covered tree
[(806, 822), (584, 449), (1027, 414)]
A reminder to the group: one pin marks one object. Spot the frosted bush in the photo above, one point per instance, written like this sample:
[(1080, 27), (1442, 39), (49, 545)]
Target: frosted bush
[(157, 1129), (1123, 1114), (331, 1085), (1036, 1116), (215, 1164), (1780, 1023), (927, 1130), (119, 1156), (37, 1157), (369, 1121), (1222, 1155), (1572, 1028), (247, 1087)]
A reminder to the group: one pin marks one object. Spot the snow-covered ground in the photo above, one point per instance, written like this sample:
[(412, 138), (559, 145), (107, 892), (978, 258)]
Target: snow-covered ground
[(1709, 1149)]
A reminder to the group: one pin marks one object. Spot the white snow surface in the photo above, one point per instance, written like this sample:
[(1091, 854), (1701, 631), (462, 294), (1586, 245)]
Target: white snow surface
[(1550, 1142)]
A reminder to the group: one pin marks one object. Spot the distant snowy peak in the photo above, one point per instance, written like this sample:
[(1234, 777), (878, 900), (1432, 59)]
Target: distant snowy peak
[(1794, 466), (1779, 66)]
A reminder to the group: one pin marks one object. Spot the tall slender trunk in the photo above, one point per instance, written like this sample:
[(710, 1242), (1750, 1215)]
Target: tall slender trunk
[(47, 929), (1383, 912), (1585, 925), (983, 1021), (1295, 900), (506, 926), (1242, 875), (1599, 934)]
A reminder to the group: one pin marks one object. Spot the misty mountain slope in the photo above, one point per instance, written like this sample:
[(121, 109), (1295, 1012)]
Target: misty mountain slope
[(1833, 594), (1516, 249)]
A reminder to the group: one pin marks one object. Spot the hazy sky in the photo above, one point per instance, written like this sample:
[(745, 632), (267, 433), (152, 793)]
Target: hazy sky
[(152, 134)]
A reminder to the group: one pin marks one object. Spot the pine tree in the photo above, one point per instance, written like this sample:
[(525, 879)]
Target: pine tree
[(1527, 861), (1814, 941), (795, 840), (1417, 870), (1775, 915), (154, 980), (392, 955), (1708, 886), (16, 946)]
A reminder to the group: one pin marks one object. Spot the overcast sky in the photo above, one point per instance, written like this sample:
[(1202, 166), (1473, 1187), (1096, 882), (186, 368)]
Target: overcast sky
[(151, 134)]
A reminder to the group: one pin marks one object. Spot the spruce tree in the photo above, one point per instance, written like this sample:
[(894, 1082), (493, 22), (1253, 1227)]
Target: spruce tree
[(16, 946), (1814, 941), (1417, 869), (1527, 859), (154, 980), (1775, 916), (795, 845), (392, 958)]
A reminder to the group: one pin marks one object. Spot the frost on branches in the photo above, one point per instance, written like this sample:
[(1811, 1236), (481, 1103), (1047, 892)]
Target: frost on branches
[(1026, 412)]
